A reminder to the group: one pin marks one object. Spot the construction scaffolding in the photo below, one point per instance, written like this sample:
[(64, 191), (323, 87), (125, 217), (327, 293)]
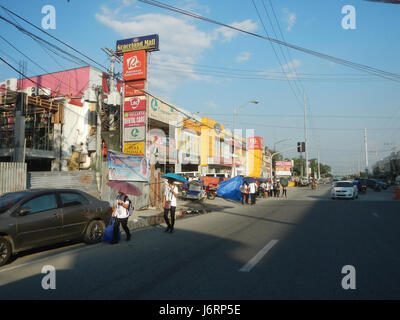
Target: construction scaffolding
[(40, 114)]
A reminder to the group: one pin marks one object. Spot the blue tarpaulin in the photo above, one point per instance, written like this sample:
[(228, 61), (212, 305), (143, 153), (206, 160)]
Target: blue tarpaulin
[(230, 189)]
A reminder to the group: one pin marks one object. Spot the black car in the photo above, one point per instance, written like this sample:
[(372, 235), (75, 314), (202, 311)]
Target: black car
[(40, 217), (371, 183)]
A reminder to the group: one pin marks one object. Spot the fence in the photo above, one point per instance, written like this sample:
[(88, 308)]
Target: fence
[(12, 176)]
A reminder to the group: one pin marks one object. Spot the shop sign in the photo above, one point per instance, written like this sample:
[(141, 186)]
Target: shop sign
[(134, 118), (135, 65), (135, 103)]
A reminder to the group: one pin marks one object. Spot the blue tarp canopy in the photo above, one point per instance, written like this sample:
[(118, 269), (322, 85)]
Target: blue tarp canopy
[(230, 189)]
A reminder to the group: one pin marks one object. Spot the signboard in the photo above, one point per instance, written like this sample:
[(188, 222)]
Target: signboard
[(135, 103), (282, 168), (287, 164), (134, 148), (127, 168), (134, 134), (148, 43), (162, 112), (254, 143), (134, 118), (134, 88), (135, 65), (162, 149)]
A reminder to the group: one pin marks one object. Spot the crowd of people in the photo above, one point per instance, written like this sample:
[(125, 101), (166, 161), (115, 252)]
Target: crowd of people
[(269, 189)]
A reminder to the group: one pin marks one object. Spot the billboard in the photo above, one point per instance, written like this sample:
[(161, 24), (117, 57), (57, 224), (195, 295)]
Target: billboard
[(135, 103), (135, 65), (127, 168), (148, 43), (161, 111), (134, 118), (282, 168)]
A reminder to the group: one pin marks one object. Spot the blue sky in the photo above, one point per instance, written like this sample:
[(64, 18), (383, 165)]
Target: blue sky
[(196, 61)]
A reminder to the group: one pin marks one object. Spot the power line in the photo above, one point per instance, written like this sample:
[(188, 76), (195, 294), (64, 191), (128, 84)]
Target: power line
[(67, 45), (368, 69)]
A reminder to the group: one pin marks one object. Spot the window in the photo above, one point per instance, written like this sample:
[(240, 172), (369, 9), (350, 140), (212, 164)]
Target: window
[(71, 199), (41, 203)]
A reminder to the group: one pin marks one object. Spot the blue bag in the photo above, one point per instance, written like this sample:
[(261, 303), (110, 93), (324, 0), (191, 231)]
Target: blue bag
[(109, 232)]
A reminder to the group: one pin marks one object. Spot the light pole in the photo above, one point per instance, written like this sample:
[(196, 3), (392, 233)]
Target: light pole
[(235, 111), (275, 143)]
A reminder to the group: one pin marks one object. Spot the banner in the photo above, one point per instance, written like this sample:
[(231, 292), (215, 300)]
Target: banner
[(134, 118), (148, 43), (135, 103), (127, 168), (135, 66)]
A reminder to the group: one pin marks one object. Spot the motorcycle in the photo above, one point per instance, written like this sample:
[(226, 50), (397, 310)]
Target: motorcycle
[(211, 191)]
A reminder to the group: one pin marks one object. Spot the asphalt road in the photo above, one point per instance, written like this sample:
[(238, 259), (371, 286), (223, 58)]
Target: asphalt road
[(292, 248)]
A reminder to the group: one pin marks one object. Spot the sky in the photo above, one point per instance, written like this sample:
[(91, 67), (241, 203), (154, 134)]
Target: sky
[(209, 69)]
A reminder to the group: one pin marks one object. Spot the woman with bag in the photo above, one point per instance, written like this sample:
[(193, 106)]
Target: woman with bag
[(169, 204), (121, 215)]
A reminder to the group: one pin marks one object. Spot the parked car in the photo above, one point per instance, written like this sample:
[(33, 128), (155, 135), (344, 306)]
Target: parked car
[(371, 183), (344, 190), (40, 217)]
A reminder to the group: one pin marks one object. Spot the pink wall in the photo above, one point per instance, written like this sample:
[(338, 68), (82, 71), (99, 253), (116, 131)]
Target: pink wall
[(73, 82)]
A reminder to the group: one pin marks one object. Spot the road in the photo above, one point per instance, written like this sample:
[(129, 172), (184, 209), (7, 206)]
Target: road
[(292, 248)]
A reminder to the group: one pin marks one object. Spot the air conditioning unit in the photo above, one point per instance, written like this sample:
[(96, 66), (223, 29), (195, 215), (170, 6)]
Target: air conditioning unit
[(10, 84), (37, 91)]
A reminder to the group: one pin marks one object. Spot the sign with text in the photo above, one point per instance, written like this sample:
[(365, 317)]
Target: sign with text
[(254, 143), (134, 148), (134, 88), (148, 43), (135, 65), (135, 103), (124, 167), (134, 134), (162, 112), (134, 118)]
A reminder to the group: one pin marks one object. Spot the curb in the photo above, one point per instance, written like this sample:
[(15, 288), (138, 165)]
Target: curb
[(135, 224)]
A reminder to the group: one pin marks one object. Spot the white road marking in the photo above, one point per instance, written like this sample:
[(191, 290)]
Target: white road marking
[(49, 257), (250, 265), (376, 215)]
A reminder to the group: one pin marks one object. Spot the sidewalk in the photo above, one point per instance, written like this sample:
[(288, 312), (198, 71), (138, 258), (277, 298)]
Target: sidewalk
[(186, 208)]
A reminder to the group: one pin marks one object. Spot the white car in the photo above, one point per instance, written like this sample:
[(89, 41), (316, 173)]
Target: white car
[(344, 190)]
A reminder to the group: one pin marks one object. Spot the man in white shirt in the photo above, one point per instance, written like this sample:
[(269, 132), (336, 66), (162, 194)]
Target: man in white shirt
[(121, 215), (252, 187), (169, 204)]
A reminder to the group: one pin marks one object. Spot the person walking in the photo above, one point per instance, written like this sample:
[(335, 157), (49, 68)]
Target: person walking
[(263, 187), (269, 186), (243, 192), (278, 189), (252, 188), (121, 215), (169, 204), (284, 191)]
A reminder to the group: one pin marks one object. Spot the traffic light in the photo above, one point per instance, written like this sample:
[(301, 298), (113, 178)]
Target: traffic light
[(301, 147)]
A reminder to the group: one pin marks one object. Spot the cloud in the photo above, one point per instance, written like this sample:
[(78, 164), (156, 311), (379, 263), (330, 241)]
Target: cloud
[(228, 34), (182, 44), (244, 56), (289, 69), (290, 19)]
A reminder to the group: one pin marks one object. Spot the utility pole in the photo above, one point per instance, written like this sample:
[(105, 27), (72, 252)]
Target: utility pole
[(319, 168), (366, 151), (305, 133)]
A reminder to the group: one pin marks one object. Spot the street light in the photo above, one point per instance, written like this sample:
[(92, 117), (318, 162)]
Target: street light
[(275, 143), (235, 111)]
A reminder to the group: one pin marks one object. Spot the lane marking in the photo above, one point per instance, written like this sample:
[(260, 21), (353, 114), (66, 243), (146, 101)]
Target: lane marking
[(376, 215), (250, 265)]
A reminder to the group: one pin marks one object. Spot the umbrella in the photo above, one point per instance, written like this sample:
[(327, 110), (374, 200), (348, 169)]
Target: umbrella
[(125, 187), (174, 176), (249, 179)]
